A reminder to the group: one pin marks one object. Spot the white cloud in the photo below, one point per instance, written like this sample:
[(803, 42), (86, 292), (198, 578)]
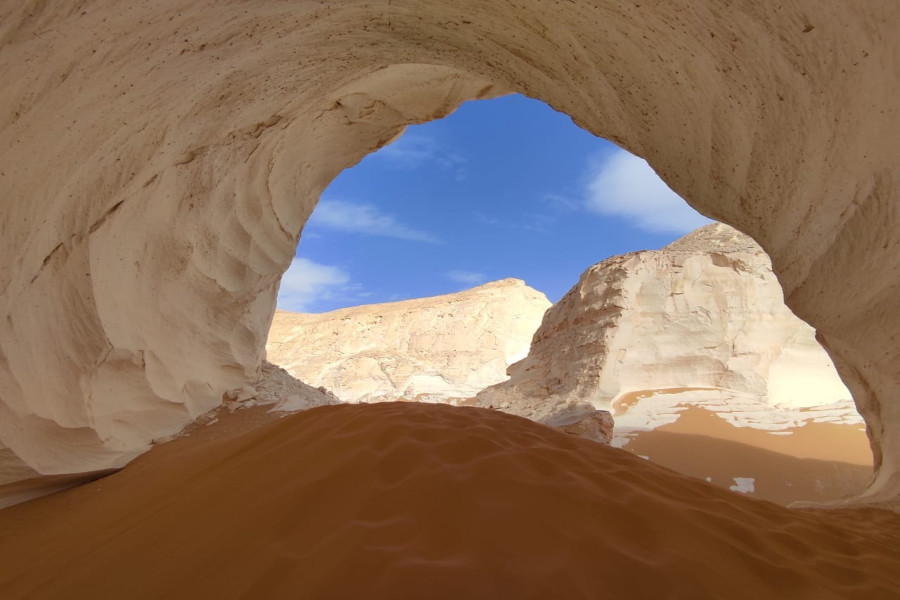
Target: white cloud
[(538, 222), (413, 150), (626, 186), (467, 277), (559, 202), (350, 217), (307, 282), (484, 219)]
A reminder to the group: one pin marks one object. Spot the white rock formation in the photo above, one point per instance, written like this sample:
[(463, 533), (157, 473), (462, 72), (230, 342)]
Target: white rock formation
[(275, 389), (438, 349), (279, 389), (701, 321), (161, 158)]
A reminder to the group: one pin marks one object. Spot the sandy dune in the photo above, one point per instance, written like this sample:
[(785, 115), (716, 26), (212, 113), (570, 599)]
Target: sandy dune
[(817, 462), (35, 487), (426, 501)]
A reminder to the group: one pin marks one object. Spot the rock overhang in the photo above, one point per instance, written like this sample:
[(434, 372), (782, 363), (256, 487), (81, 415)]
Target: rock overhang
[(165, 158)]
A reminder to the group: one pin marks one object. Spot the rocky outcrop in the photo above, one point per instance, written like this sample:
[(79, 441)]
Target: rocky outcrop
[(700, 321), (279, 389), (275, 393), (161, 160), (439, 349), (596, 426)]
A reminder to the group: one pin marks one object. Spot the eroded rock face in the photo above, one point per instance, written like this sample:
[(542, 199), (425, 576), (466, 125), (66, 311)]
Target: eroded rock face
[(275, 391), (439, 349), (700, 321), (161, 160), (596, 426)]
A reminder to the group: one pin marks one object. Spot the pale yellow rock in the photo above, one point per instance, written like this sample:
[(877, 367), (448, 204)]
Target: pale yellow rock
[(701, 321), (160, 159), (439, 349)]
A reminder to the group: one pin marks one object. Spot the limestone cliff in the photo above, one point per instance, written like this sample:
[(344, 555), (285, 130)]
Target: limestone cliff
[(435, 349), (701, 321)]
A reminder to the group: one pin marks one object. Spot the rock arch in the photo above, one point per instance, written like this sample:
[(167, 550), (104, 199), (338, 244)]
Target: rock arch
[(161, 159)]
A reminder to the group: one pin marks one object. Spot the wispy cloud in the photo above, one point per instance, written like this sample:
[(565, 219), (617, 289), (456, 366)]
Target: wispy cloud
[(467, 277), (549, 209), (306, 283), (414, 150), (351, 217), (484, 219), (538, 222), (626, 186), (559, 202)]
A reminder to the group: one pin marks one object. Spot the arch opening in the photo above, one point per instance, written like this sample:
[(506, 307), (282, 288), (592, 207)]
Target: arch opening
[(452, 191), (501, 188)]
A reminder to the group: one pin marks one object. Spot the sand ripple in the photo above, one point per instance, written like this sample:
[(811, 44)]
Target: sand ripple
[(427, 501)]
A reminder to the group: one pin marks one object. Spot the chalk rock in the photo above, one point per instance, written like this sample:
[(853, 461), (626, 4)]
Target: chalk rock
[(596, 426), (438, 349), (701, 321), (161, 159), (279, 388)]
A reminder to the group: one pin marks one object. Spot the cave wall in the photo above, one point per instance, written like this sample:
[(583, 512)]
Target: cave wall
[(161, 159)]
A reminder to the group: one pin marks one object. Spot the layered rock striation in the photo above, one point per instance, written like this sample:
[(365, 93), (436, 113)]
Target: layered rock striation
[(701, 321), (440, 349)]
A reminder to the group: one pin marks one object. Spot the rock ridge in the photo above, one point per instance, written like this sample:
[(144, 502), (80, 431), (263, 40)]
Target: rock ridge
[(439, 349)]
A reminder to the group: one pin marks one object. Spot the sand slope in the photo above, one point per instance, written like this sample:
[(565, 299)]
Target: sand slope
[(817, 462), (406, 500)]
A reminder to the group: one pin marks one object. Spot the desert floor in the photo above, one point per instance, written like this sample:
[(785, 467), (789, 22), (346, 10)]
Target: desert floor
[(402, 500), (816, 462)]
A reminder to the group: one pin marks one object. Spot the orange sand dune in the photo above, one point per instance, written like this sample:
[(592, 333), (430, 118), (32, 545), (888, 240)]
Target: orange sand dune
[(777, 477), (818, 462), (427, 501), (819, 441)]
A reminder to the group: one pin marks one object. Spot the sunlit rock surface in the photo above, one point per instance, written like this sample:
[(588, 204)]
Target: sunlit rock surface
[(440, 349), (160, 160), (700, 322)]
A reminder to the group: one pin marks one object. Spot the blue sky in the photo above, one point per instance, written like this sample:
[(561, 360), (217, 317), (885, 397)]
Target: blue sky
[(501, 188)]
